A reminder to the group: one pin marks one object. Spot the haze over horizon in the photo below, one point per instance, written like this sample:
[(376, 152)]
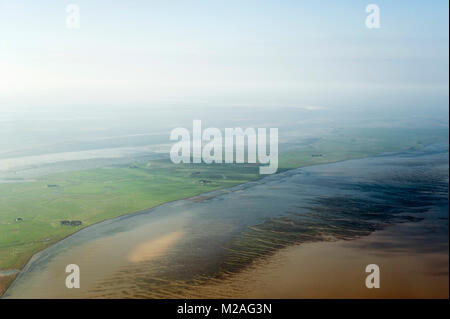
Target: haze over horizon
[(256, 53)]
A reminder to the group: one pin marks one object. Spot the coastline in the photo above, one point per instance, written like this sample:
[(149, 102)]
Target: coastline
[(10, 278)]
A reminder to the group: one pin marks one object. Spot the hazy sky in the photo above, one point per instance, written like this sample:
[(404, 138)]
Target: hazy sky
[(247, 52)]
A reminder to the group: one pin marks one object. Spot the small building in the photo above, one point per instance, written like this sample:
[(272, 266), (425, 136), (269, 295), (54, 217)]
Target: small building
[(75, 223), (71, 222)]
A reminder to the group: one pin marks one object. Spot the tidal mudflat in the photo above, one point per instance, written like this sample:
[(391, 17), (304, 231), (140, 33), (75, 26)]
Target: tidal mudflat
[(202, 247), (413, 263)]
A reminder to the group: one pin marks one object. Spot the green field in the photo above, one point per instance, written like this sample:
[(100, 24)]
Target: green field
[(95, 195), (98, 194)]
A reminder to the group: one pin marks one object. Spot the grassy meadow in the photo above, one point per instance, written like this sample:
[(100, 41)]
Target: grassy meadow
[(98, 194)]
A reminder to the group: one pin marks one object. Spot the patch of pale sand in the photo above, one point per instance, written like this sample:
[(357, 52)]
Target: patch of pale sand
[(337, 270), (154, 248)]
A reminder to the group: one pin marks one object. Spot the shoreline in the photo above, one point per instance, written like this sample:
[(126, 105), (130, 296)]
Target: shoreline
[(148, 210)]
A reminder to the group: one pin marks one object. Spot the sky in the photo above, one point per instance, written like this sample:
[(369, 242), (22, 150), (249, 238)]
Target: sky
[(223, 53)]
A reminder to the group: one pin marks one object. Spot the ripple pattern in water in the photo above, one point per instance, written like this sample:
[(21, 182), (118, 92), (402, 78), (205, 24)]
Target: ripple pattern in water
[(192, 243)]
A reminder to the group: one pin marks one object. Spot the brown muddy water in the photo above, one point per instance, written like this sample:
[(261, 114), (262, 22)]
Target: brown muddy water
[(304, 233)]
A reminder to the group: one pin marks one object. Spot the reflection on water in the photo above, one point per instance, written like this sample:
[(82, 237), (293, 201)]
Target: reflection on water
[(177, 248)]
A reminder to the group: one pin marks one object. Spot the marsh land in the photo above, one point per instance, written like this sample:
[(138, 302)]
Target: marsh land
[(40, 189)]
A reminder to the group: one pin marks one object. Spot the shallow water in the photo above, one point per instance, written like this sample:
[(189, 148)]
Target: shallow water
[(174, 248)]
